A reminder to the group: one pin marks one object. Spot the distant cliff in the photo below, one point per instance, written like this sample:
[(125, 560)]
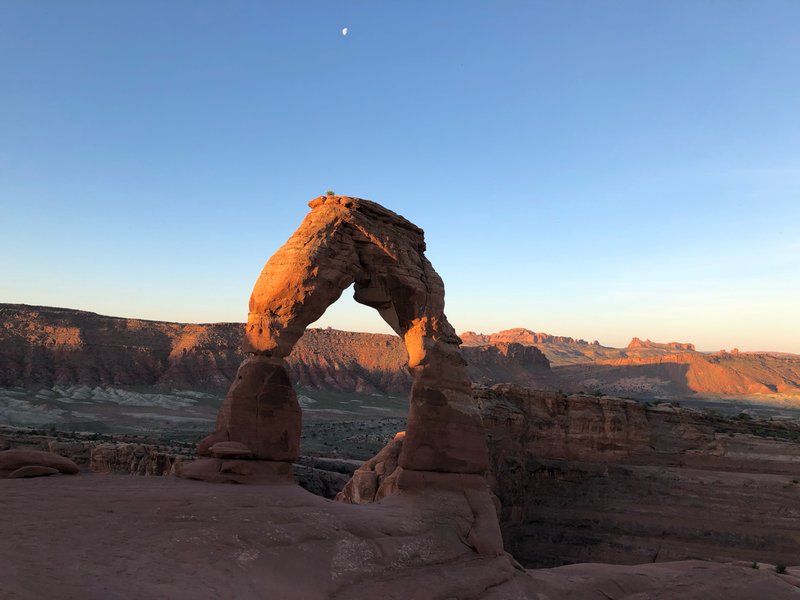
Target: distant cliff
[(518, 335), (609, 480), (686, 374), (50, 346), (636, 343), (56, 346), (560, 350), (646, 369)]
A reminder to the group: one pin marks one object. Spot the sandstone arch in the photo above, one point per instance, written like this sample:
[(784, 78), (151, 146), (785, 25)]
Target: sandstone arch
[(345, 241)]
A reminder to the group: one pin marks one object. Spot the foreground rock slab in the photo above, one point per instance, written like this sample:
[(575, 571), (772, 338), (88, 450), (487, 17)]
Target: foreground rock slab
[(113, 536), (11, 461)]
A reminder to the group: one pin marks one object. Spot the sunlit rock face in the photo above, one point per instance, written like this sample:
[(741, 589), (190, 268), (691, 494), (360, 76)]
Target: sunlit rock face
[(345, 241)]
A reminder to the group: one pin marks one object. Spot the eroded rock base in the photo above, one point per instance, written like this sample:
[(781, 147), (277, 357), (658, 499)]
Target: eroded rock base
[(237, 470), (19, 463)]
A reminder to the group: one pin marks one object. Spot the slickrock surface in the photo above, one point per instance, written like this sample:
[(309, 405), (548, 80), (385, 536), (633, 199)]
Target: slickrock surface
[(17, 458), (341, 242), (114, 537)]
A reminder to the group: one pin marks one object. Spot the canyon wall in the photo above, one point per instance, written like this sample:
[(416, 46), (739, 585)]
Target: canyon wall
[(41, 346), (55, 346), (601, 479)]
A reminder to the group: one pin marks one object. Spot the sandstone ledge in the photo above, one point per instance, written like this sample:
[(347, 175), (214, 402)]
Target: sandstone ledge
[(167, 537)]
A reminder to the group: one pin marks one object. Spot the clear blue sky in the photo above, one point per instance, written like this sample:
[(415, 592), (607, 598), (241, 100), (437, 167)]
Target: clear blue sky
[(593, 169)]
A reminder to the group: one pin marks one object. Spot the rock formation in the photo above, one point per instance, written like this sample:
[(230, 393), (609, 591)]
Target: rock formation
[(602, 479), (503, 362), (377, 477), (133, 459), (345, 241), (47, 347), (95, 453), (44, 346), (22, 463), (522, 424), (518, 335), (679, 346), (159, 537)]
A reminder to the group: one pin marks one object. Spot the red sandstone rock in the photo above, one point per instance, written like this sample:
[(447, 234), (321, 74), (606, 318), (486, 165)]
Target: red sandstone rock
[(33, 471), (524, 422), (560, 462), (11, 460), (377, 477), (680, 346), (346, 241), (504, 362), (53, 346), (217, 470), (161, 537), (261, 412), (518, 335), (230, 450), (132, 459)]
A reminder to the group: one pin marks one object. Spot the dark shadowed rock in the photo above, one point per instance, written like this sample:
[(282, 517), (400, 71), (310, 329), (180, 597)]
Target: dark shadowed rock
[(132, 459)]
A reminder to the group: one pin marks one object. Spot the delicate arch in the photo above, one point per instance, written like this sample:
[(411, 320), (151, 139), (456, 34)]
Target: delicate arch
[(345, 241)]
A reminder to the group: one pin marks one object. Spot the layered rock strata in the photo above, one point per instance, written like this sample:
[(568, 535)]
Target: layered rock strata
[(61, 348), (583, 478)]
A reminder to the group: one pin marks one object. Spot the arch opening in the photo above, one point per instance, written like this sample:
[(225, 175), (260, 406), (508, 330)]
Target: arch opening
[(348, 315), (349, 413)]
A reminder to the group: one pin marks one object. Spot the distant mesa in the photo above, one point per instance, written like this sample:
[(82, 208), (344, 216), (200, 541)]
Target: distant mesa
[(518, 335), (676, 346)]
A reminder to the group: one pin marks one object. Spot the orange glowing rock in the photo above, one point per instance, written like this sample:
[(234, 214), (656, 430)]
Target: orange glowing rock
[(345, 241)]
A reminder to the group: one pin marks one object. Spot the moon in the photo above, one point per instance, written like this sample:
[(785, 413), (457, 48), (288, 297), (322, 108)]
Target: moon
[(344, 31)]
